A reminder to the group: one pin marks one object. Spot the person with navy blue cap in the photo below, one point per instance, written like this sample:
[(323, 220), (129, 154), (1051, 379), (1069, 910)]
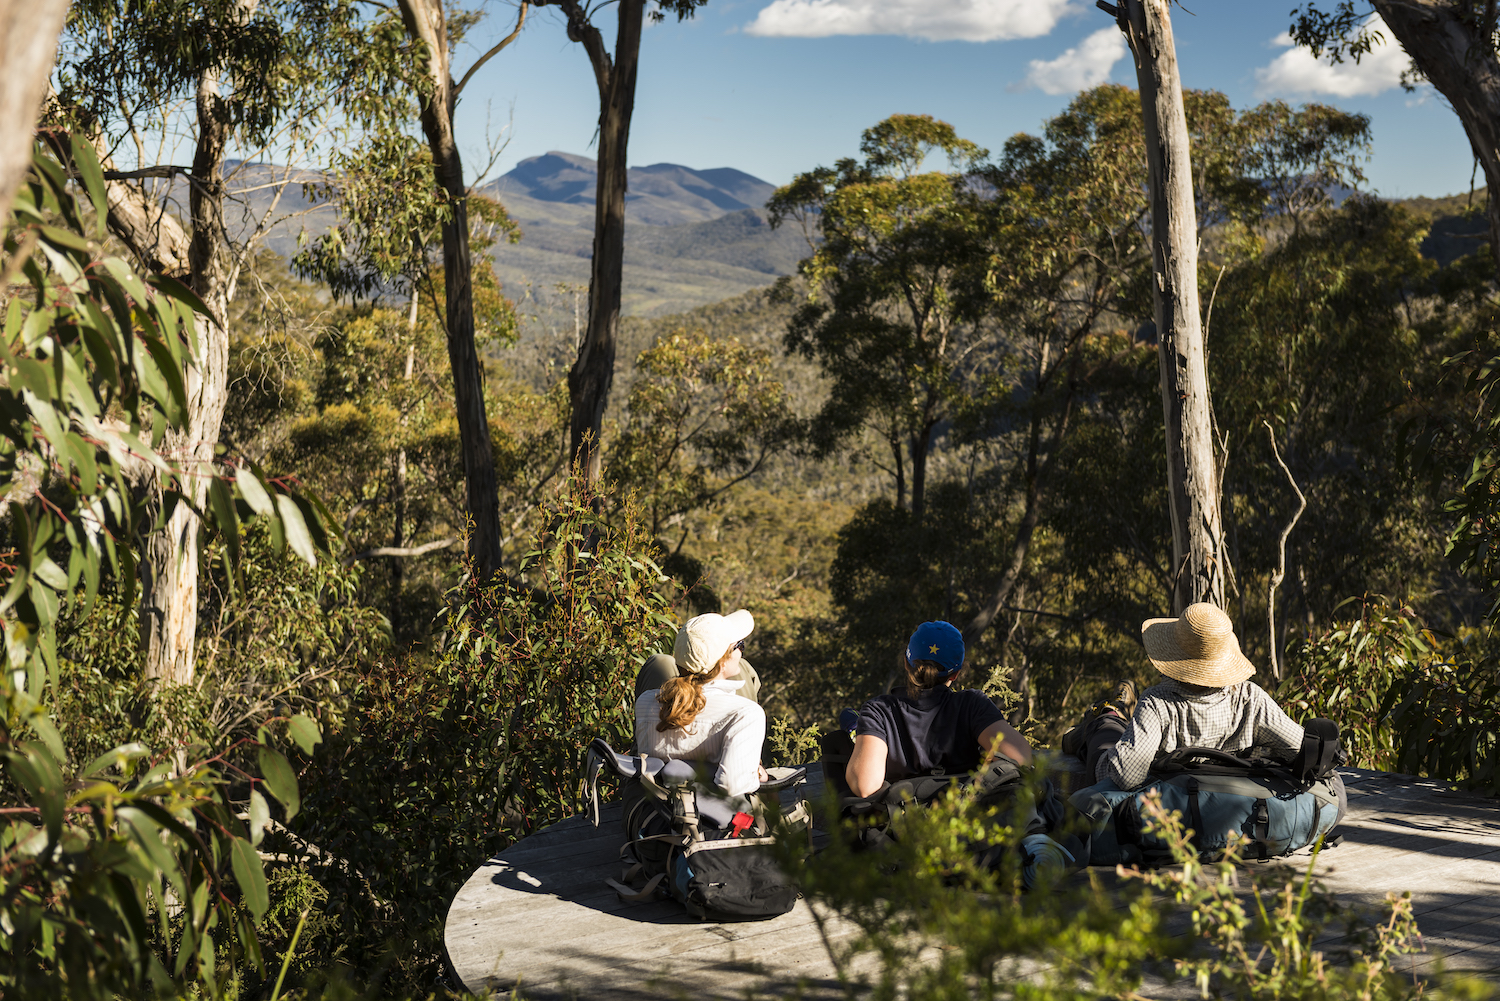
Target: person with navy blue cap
[(929, 728)]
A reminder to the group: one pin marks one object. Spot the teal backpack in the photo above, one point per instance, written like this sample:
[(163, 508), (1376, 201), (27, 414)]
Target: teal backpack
[(1278, 807)]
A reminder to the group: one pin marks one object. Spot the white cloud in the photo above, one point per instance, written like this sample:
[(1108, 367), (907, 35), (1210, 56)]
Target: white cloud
[(933, 20), (1083, 66), (1296, 72)]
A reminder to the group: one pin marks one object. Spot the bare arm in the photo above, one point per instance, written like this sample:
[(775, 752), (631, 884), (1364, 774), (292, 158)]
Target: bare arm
[(1002, 738), (865, 772)]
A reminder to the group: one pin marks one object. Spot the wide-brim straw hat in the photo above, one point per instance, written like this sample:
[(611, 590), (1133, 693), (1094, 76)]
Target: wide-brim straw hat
[(706, 638), (1197, 648)]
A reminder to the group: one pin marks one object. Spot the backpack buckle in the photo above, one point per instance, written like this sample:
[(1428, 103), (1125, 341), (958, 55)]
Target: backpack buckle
[(740, 824)]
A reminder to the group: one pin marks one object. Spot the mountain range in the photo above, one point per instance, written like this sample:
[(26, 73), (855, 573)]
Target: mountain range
[(691, 236)]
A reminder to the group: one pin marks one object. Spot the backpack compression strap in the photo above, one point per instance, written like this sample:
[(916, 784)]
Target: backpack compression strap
[(591, 781), (631, 896), (1320, 752)]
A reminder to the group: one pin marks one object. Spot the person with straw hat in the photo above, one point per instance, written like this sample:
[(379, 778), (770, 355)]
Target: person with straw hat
[(1207, 700), (699, 715)]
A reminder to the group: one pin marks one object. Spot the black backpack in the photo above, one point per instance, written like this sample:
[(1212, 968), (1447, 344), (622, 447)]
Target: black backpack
[(868, 818), (692, 844)]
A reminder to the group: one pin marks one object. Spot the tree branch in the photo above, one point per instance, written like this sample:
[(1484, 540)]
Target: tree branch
[(581, 30), (398, 551), (493, 52), (1279, 574), (161, 170)]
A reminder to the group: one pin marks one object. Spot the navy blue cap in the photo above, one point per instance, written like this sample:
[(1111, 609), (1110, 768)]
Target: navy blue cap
[(939, 642)]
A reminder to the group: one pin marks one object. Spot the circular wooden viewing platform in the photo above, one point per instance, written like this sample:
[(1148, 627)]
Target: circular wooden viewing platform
[(539, 917)]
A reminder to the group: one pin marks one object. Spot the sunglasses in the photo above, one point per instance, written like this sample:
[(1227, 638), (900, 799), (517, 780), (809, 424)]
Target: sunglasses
[(738, 646)]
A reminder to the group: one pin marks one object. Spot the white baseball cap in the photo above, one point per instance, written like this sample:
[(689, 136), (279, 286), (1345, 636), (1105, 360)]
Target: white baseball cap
[(703, 639)]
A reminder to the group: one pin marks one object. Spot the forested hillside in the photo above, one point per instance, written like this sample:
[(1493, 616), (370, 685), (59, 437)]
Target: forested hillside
[(341, 500)]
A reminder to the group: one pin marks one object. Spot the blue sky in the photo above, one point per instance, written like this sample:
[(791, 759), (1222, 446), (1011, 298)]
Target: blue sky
[(774, 87)]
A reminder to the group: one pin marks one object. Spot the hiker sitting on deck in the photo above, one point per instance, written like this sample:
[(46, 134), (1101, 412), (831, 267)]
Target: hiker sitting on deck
[(929, 728), (1208, 700), (700, 715)]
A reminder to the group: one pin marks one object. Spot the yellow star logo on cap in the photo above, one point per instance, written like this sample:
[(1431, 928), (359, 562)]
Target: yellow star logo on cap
[(932, 649)]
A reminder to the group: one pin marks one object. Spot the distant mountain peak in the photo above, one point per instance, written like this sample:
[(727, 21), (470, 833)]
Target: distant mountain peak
[(662, 194)]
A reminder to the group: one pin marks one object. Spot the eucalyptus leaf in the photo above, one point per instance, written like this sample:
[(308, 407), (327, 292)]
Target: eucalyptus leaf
[(279, 779)]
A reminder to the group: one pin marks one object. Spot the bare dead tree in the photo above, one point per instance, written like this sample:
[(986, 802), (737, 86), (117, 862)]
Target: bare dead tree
[(1279, 574), (1192, 481)]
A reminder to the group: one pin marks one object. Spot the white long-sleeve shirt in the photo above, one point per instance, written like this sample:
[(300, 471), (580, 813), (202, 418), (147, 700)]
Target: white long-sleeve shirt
[(729, 732)]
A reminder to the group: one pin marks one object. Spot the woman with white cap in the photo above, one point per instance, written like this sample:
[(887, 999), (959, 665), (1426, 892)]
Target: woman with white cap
[(700, 715), (1208, 700)]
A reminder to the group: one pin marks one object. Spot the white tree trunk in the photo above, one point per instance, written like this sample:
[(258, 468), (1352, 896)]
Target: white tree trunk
[(28, 47), (169, 573), (1192, 483)]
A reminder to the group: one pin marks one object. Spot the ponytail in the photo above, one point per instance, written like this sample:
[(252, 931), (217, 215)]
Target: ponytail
[(923, 676), (682, 698)]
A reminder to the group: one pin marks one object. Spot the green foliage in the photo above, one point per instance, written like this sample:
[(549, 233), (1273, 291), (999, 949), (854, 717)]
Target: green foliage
[(1473, 544), (442, 761), (119, 56), (704, 415), (788, 745), (94, 373), (1264, 947), (94, 362), (888, 316), (934, 924), (133, 873), (359, 402), (392, 211), (1405, 699)]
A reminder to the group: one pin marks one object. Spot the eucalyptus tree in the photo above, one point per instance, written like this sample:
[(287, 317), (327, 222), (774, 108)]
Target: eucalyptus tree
[(257, 75), (704, 415), (593, 372), (392, 214), (1050, 274), (431, 79), (888, 314), (1453, 44)]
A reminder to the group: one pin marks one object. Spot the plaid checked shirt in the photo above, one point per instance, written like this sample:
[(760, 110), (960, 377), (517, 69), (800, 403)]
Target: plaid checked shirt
[(1173, 715)]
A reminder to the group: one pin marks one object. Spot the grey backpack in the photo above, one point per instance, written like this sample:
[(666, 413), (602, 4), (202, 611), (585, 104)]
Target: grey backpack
[(689, 842)]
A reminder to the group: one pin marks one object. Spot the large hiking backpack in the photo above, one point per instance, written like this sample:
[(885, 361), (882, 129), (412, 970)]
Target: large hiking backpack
[(1279, 807), (690, 843)]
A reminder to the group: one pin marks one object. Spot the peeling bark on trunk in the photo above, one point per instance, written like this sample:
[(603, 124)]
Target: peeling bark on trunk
[(426, 23), (154, 236), (1453, 53), (169, 569), (28, 47), (1192, 483), (593, 373)]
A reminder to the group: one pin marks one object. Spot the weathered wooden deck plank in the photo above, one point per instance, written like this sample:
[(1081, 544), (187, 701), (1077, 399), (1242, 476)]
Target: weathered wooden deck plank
[(539, 913)]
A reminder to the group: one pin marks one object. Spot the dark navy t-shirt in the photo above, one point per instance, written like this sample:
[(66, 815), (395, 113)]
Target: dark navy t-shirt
[(936, 733)]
